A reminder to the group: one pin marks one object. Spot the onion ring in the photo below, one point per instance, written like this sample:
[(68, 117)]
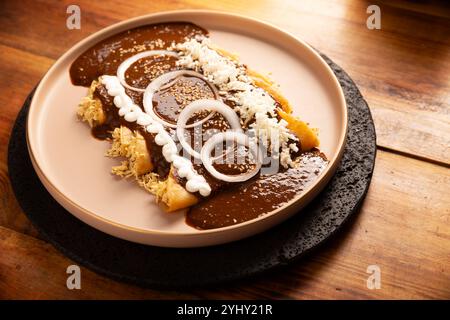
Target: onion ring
[(164, 81), (240, 138), (202, 104), (123, 67)]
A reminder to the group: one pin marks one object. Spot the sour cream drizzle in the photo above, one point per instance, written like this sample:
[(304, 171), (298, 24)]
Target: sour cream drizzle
[(133, 113)]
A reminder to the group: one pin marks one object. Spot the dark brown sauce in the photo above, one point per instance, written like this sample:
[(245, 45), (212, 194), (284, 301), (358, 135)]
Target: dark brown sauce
[(113, 119), (169, 102), (229, 203), (105, 57), (258, 196)]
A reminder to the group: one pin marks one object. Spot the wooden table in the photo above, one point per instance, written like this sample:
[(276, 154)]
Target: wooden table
[(403, 71)]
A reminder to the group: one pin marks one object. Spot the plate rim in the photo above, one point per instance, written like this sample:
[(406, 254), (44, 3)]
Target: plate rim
[(141, 20)]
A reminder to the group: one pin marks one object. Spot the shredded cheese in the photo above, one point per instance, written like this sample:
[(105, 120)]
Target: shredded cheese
[(252, 102)]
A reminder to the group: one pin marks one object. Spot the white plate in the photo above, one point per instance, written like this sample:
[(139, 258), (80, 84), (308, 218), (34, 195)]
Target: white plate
[(72, 166)]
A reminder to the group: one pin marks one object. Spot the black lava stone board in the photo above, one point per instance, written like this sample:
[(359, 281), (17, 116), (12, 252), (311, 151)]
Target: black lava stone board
[(150, 266)]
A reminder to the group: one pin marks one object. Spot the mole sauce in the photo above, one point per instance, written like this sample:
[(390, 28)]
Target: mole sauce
[(229, 203)]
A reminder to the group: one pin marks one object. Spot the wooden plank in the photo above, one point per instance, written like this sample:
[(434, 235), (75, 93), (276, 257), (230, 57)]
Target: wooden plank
[(20, 73), (434, 7), (403, 228), (33, 269)]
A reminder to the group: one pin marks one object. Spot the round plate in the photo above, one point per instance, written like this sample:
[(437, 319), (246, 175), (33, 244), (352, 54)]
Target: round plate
[(73, 168)]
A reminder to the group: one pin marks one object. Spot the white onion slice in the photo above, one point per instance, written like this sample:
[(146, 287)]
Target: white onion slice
[(241, 139), (199, 105), (123, 67), (164, 81)]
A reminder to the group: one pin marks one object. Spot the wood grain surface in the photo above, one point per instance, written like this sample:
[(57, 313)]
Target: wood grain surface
[(403, 71)]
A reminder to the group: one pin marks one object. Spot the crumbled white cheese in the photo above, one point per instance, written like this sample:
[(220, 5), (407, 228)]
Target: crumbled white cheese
[(235, 85)]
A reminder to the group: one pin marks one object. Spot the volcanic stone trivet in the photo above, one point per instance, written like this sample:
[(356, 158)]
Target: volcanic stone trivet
[(163, 267)]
